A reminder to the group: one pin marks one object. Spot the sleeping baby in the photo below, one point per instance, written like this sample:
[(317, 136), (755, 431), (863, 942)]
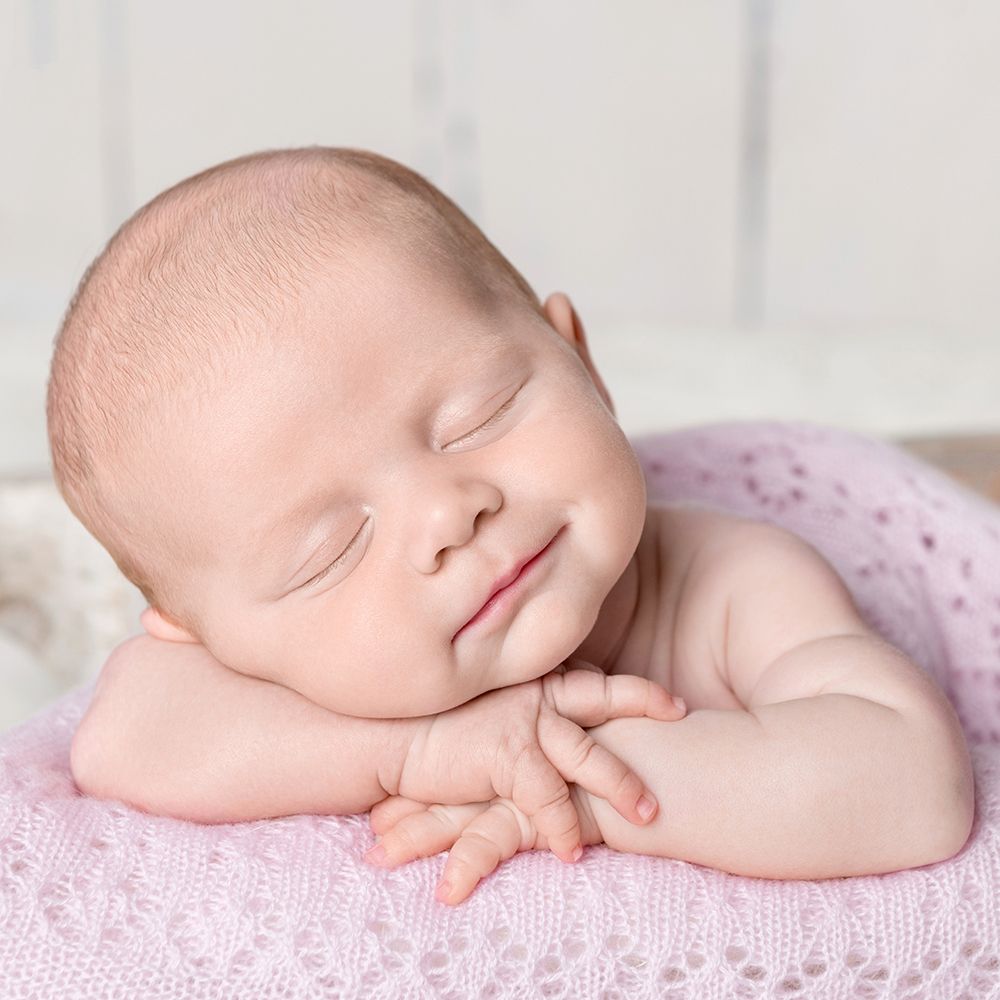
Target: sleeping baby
[(398, 557)]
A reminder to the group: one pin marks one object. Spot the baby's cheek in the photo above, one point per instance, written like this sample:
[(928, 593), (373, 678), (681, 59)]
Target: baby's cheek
[(633, 495), (614, 500)]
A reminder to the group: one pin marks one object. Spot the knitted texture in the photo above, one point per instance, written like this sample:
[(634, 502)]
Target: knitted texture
[(100, 901)]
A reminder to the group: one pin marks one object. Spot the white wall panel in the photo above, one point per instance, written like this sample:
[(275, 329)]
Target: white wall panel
[(884, 166), (777, 174), (211, 81), (52, 198), (609, 148), (51, 191)]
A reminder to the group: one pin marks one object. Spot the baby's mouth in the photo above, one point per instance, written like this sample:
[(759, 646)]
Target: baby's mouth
[(507, 584)]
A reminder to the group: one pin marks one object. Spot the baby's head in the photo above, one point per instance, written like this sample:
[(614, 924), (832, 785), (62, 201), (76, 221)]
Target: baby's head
[(315, 416)]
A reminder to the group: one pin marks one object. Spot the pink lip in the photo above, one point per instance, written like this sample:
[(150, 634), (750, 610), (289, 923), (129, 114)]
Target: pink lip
[(506, 585)]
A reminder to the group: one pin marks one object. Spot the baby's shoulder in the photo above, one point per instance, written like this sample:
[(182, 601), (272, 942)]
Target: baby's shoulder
[(746, 593), (710, 556), (688, 651), (692, 533)]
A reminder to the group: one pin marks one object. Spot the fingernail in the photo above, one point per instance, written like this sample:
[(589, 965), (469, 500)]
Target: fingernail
[(680, 703), (646, 807), (443, 892), (577, 853), (377, 856)]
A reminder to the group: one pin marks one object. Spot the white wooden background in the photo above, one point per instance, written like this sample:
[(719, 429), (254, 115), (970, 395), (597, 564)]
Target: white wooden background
[(763, 208)]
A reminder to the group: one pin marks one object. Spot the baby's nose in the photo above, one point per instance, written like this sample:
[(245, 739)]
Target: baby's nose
[(448, 518)]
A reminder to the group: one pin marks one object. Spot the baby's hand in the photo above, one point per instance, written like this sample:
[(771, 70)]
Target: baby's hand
[(478, 837), (525, 742)]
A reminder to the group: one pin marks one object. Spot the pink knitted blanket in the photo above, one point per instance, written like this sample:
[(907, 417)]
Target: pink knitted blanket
[(100, 901)]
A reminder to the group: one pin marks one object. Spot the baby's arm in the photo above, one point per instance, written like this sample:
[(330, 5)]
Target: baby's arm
[(820, 787), (173, 731), (845, 759)]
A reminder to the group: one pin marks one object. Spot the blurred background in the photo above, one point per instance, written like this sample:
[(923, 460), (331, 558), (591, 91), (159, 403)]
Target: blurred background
[(761, 208)]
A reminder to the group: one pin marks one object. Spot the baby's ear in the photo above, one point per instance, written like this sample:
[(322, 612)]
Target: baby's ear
[(563, 318), (161, 627)]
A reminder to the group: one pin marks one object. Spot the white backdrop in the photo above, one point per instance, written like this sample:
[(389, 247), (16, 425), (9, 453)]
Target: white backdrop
[(762, 208)]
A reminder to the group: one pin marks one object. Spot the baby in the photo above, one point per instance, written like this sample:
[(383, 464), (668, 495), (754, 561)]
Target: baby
[(398, 557)]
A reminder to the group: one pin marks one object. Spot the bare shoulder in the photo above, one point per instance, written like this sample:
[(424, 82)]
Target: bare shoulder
[(687, 527), (780, 621), (693, 603)]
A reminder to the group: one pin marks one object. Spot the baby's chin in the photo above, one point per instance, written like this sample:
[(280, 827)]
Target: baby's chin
[(546, 637)]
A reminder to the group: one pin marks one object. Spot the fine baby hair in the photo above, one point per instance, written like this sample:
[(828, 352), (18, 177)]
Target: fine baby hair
[(200, 275)]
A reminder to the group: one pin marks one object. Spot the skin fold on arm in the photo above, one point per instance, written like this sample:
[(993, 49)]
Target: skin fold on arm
[(173, 731), (832, 785), (822, 750), (845, 758)]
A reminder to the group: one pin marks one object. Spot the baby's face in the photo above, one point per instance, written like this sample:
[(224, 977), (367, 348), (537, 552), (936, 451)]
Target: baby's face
[(364, 489)]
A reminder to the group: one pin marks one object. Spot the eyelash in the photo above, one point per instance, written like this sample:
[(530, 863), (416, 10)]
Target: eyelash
[(489, 423), (339, 561)]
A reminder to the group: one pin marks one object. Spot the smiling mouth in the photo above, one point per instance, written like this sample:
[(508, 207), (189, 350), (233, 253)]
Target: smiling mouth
[(501, 598)]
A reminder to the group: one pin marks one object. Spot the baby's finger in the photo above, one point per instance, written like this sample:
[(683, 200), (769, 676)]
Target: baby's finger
[(540, 792), (581, 760), (386, 814), (591, 698), (493, 837), (423, 833)]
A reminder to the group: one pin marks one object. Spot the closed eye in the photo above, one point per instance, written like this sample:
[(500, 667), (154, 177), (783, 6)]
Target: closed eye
[(337, 563), (489, 423)]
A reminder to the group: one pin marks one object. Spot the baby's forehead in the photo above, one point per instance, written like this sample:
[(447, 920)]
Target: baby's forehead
[(376, 333), (400, 313), (373, 357)]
